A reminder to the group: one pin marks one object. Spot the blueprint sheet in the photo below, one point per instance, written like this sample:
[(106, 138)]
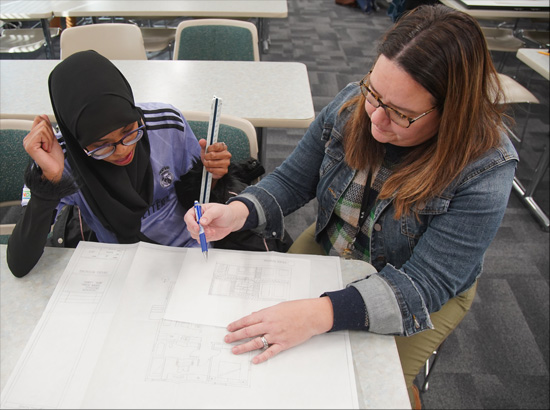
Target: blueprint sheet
[(118, 350)]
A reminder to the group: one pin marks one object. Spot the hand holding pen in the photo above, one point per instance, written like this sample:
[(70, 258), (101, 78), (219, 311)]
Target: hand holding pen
[(202, 237), (219, 220)]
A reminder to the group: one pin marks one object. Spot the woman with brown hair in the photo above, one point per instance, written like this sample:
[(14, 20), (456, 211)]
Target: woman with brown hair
[(412, 172)]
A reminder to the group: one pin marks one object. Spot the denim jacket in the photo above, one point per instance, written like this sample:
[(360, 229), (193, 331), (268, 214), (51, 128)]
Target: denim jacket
[(421, 263)]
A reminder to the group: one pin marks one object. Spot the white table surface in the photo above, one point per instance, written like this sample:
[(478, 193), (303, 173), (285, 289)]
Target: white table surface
[(268, 94), (25, 10), (534, 59), (379, 376), (33, 9), (167, 8), (496, 13)]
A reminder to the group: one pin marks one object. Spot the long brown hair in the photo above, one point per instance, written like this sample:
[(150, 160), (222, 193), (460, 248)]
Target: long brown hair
[(444, 50)]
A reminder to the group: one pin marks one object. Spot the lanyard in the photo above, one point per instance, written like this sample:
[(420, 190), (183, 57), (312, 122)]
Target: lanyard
[(365, 205), (363, 214)]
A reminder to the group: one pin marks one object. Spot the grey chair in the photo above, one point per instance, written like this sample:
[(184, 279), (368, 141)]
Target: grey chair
[(216, 39), (13, 162)]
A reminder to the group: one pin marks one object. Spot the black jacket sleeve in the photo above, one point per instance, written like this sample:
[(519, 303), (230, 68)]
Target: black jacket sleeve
[(26, 243)]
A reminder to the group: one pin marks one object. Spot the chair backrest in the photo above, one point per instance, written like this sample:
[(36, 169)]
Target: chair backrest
[(13, 162), (239, 134), (216, 39), (514, 92), (116, 41), (501, 39)]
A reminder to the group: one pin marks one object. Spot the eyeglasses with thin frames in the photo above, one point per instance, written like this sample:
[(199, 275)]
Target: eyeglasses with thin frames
[(400, 119), (107, 150)]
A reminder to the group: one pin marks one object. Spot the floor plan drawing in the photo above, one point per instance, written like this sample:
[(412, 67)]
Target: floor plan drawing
[(230, 285), (182, 353), (251, 282)]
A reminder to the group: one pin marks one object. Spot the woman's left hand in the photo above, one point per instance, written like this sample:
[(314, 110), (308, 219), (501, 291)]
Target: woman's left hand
[(283, 326), (217, 159)]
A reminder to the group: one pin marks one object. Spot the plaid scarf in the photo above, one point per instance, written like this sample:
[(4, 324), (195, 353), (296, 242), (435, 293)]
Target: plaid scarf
[(342, 236)]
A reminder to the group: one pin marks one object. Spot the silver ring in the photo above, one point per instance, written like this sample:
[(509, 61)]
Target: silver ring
[(264, 341)]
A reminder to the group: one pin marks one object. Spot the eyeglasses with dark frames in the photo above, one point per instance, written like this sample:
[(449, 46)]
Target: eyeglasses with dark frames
[(400, 119), (107, 150)]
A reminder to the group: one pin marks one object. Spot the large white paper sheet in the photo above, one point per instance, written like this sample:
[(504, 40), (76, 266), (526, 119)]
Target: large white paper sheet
[(103, 342), (232, 284), (57, 363), (151, 362)]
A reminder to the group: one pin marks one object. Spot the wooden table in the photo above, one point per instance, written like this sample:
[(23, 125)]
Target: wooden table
[(268, 94), (379, 376)]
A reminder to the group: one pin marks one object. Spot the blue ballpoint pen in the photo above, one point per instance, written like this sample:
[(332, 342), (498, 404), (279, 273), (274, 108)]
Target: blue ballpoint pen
[(202, 237)]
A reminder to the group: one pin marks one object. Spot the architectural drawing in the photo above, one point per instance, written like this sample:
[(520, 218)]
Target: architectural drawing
[(251, 281), (184, 353)]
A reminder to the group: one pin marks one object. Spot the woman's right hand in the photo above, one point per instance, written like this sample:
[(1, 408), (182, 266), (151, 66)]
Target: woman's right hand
[(217, 220), (43, 147)]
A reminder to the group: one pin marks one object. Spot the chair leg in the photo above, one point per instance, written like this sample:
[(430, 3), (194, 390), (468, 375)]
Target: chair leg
[(428, 368)]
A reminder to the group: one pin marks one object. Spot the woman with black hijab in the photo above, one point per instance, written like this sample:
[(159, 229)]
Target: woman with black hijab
[(118, 161)]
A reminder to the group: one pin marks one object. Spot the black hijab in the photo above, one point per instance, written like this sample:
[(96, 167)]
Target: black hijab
[(90, 99)]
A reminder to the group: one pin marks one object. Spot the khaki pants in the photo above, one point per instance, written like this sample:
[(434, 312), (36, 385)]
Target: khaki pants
[(413, 350)]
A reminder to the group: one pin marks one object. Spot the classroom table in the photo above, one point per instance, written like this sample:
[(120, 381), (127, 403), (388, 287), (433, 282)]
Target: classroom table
[(380, 381), (268, 94), (45, 10), (260, 9), (495, 11), (537, 59)]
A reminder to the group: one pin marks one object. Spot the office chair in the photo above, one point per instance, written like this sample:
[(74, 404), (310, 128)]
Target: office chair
[(116, 41), (216, 39), (239, 134), (13, 162)]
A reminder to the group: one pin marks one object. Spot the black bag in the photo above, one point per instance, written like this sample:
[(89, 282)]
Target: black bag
[(240, 175), (69, 229)]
